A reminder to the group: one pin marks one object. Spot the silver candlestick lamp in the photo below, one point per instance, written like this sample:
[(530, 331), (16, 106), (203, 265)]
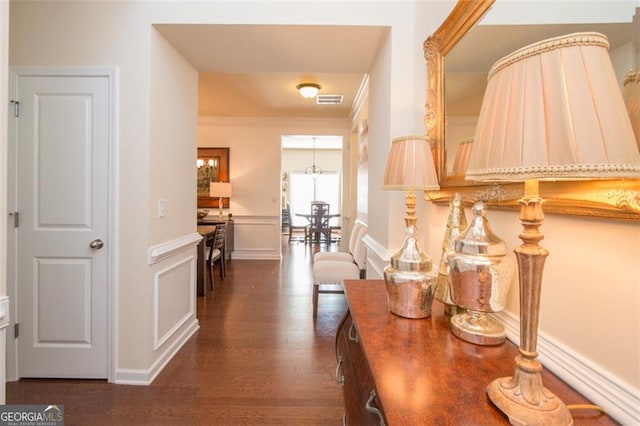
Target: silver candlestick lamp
[(410, 278)]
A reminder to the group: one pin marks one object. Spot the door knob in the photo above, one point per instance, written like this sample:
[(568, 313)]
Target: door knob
[(96, 244)]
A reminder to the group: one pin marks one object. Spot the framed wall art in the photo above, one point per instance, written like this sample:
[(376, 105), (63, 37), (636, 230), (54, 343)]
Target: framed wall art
[(213, 166)]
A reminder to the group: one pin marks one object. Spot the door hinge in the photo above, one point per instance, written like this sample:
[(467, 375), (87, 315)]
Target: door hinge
[(16, 108), (16, 330), (16, 218)]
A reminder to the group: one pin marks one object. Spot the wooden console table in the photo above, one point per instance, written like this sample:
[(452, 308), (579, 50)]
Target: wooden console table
[(415, 372)]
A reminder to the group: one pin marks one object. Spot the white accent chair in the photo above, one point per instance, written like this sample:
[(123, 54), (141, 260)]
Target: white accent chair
[(344, 256), (328, 274)]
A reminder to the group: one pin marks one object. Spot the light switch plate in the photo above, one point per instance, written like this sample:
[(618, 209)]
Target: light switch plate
[(162, 208)]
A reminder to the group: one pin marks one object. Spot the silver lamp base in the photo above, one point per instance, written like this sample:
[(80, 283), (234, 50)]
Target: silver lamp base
[(477, 327), (525, 400), (410, 278), (410, 295), (410, 281)]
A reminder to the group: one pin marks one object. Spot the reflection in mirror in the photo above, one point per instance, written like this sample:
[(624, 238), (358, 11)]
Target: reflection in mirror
[(467, 64), (459, 55)]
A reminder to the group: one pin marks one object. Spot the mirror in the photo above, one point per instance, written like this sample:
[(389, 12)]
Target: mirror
[(459, 55)]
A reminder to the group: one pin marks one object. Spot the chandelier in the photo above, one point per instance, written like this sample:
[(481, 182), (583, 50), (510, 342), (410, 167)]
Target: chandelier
[(313, 169)]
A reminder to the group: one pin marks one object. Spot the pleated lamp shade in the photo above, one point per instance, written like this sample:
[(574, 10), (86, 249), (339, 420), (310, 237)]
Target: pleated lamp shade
[(631, 92), (410, 165), (461, 160), (554, 110)]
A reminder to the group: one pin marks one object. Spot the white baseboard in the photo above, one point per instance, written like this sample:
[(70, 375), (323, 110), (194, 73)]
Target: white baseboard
[(617, 398), (254, 255), (126, 376)]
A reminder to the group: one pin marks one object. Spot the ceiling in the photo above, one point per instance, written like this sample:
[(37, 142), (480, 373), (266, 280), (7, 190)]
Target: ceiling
[(253, 70)]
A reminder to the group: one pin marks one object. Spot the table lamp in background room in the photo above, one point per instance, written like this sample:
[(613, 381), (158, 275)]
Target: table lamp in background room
[(552, 110), (410, 279), (220, 190)]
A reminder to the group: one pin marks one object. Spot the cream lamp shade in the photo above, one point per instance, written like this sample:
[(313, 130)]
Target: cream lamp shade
[(410, 165), (220, 189), (554, 110), (461, 160), (631, 92)]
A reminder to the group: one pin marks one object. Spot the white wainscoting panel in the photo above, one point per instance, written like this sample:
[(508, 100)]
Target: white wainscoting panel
[(173, 306), (257, 237), (173, 280)]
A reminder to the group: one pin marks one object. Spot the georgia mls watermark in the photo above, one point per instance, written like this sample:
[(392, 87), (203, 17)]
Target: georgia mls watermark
[(31, 415)]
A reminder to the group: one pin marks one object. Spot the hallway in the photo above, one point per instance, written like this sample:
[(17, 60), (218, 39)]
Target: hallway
[(257, 359)]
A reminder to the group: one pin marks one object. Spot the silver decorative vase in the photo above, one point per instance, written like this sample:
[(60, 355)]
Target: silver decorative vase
[(480, 274), (456, 223), (410, 280)]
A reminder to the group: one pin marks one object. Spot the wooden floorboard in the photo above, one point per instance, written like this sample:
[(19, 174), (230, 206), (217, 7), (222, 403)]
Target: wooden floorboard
[(258, 359)]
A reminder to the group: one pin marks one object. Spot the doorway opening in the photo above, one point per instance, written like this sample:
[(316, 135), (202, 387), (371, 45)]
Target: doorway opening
[(311, 171)]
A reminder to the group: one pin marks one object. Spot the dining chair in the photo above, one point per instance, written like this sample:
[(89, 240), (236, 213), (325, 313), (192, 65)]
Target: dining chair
[(319, 228), (216, 251), (294, 226)]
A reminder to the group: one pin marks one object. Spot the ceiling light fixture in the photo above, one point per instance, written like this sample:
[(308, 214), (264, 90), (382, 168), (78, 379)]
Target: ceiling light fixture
[(308, 90)]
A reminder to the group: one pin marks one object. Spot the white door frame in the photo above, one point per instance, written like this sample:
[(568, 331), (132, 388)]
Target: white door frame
[(111, 73)]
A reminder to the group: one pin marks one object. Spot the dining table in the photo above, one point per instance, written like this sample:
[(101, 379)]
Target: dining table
[(318, 227)]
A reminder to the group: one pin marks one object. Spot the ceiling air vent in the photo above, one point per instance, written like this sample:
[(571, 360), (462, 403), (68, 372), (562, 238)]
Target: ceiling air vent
[(329, 99)]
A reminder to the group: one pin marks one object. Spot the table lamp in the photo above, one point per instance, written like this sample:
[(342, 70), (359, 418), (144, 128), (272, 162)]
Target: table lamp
[(631, 92), (220, 190), (461, 160), (552, 110), (410, 279)]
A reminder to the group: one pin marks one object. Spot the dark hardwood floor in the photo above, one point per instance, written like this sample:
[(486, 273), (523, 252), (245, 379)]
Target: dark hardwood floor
[(257, 359)]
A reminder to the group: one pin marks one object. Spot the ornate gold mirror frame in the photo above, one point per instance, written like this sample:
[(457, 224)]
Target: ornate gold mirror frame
[(619, 199)]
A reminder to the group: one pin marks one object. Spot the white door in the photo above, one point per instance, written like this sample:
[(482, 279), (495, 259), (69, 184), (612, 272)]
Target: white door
[(62, 196)]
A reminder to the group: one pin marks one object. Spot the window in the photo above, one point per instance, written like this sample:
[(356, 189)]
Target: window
[(305, 188)]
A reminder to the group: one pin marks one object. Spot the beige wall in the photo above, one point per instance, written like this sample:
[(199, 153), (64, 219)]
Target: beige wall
[(591, 291), (254, 155), (173, 138)]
